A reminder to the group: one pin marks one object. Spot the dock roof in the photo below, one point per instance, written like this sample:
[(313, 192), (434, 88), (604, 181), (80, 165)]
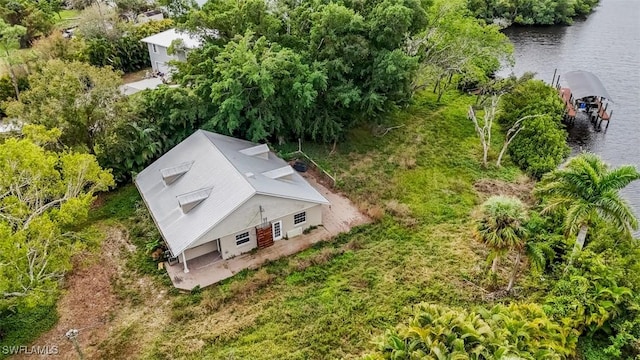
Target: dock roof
[(584, 84)]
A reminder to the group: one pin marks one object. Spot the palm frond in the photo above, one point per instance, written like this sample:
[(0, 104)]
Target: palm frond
[(619, 178)]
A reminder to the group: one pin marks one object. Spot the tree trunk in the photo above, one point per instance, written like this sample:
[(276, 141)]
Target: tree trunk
[(494, 265), (485, 154), (441, 91), (515, 272), (582, 236)]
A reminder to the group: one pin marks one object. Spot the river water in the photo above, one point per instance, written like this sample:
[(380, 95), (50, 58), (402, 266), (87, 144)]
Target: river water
[(606, 43)]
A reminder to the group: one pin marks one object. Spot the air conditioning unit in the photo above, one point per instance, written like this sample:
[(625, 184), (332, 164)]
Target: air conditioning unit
[(172, 260)]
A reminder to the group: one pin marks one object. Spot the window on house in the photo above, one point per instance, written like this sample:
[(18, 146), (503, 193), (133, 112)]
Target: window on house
[(299, 218), (155, 50), (242, 238)]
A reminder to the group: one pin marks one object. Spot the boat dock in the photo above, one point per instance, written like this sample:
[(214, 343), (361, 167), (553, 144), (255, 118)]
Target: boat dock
[(585, 93)]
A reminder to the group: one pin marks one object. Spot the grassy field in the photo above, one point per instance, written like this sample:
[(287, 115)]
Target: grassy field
[(332, 301), (66, 18)]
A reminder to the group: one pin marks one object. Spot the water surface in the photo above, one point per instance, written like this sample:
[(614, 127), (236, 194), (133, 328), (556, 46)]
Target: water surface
[(606, 43)]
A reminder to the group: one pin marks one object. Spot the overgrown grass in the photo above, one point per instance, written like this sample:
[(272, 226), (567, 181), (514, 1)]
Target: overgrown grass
[(331, 300), (20, 329), (118, 205)]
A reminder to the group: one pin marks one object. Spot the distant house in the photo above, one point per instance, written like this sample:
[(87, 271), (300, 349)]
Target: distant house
[(159, 44), (214, 194)]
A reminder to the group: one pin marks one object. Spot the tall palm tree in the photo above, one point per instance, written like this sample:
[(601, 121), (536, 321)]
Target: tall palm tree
[(501, 226), (588, 190)]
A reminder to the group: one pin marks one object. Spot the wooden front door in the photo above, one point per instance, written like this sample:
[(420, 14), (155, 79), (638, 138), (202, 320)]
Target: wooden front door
[(265, 236)]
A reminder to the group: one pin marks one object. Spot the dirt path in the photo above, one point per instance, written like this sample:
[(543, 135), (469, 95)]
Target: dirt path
[(87, 300)]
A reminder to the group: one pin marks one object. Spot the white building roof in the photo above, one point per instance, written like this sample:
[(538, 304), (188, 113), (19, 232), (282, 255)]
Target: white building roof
[(220, 178), (165, 39)]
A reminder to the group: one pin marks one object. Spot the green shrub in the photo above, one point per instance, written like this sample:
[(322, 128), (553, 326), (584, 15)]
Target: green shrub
[(7, 91), (126, 52), (541, 145), (520, 331)]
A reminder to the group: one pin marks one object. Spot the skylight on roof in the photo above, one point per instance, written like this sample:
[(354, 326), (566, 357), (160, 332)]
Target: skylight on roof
[(192, 199), (261, 151), (170, 175), (283, 173)]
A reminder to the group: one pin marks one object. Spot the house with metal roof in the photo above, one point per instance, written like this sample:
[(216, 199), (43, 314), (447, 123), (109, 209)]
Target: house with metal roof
[(159, 44), (217, 195)]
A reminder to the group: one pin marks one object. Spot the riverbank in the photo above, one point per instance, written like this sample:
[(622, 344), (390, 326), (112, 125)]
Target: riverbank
[(604, 45)]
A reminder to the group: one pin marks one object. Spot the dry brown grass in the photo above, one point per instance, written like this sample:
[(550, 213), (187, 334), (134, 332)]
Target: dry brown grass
[(322, 257), (244, 290), (354, 244), (396, 208), (521, 188)]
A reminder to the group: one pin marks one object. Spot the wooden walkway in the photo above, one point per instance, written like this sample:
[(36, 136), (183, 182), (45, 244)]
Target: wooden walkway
[(602, 111), (567, 98)]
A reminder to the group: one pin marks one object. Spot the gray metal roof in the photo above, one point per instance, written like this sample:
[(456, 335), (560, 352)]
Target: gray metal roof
[(584, 84), (165, 39), (220, 179)]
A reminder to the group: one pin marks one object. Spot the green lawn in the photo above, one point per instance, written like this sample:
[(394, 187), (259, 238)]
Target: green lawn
[(360, 283), (66, 18)]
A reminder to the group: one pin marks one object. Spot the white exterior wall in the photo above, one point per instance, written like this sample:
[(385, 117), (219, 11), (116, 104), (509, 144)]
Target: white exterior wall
[(160, 59), (229, 247), (314, 218), (247, 216), (194, 252)]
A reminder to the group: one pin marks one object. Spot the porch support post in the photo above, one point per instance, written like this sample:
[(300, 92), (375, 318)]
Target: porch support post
[(184, 262)]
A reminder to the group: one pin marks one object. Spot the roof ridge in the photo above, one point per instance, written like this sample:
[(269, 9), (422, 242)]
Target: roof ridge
[(242, 175)]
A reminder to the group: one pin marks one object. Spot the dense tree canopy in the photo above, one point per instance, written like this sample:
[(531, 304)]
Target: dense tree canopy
[(531, 12), (119, 45), (35, 16), (349, 62), (75, 97), (43, 195), (154, 122)]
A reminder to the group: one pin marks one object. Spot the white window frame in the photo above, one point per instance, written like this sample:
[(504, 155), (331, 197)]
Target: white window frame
[(303, 215), (155, 49), (273, 230), (242, 236)]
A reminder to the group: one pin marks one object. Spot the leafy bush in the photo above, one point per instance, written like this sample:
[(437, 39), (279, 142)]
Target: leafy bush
[(124, 52), (599, 294), (7, 92), (520, 331), (55, 46), (541, 144), (157, 121), (540, 147)]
